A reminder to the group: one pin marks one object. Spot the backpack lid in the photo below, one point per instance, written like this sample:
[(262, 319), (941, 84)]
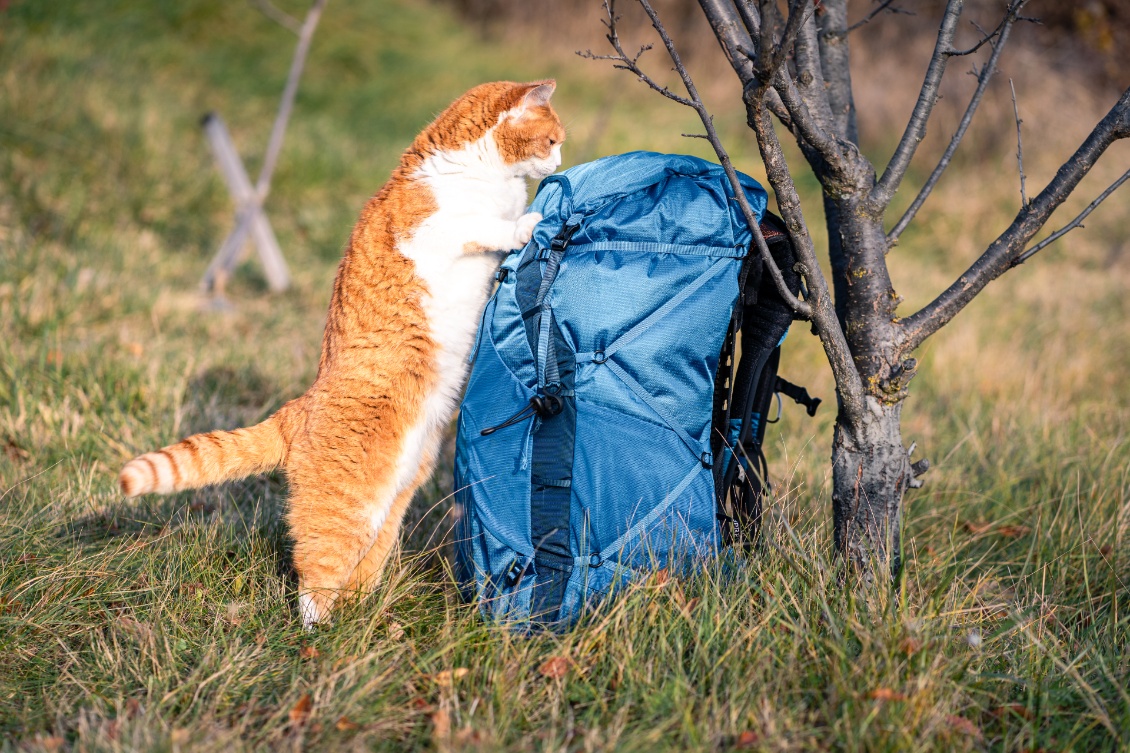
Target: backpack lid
[(648, 196)]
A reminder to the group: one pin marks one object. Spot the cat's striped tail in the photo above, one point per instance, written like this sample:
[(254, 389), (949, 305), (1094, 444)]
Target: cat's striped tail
[(211, 458)]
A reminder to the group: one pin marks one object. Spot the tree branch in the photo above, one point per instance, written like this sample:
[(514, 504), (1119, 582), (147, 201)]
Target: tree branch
[(886, 4), (927, 97), (849, 386), (1006, 251), (805, 125), (739, 48), (802, 308), (1077, 222), (835, 64), (1019, 147), (279, 16), (798, 15), (986, 74), (737, 44)]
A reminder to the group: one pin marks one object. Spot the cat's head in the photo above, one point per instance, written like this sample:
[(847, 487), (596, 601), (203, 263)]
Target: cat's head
[(508, 124)]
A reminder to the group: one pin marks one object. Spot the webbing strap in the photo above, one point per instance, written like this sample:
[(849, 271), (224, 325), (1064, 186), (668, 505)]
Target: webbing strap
[(648, 400), (548, 372), (632, 533), (650, 320)]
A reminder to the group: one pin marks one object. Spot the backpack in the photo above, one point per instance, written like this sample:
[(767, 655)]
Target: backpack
[(608, 428)]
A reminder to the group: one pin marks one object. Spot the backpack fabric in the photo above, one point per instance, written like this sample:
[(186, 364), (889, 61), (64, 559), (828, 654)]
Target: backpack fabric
[(585, 453)]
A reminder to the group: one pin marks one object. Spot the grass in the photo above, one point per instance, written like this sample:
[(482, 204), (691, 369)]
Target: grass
[(168, 623)]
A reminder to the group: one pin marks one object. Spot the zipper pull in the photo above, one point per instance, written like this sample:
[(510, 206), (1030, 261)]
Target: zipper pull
[(544, 406)]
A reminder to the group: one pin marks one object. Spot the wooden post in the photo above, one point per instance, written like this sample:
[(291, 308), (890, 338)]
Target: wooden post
[(250, 218)]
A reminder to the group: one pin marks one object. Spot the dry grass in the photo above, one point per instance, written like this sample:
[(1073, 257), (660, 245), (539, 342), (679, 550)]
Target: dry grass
[(168, 624)]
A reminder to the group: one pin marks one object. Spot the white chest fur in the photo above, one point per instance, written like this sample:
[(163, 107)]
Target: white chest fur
[(472, 188)]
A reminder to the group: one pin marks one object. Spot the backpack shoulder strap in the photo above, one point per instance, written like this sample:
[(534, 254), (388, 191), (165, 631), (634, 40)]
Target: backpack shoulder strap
[(742, 399)]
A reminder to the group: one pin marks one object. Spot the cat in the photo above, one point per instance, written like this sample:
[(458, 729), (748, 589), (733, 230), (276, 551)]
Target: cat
[(406, 303)]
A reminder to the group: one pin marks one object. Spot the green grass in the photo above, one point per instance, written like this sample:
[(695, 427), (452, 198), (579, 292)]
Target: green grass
[(168, 623)]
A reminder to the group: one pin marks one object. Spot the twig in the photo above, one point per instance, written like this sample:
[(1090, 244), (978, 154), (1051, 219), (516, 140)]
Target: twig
[(927, 96), (986, 37), (276, 14), (1077, 222), (1019, 147), (998, 257), (885, 5), (983, 79)]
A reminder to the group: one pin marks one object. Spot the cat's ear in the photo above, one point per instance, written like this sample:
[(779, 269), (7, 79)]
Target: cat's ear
[(537, 95)]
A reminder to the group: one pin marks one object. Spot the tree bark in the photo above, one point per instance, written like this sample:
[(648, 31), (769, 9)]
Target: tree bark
[(871, 472)]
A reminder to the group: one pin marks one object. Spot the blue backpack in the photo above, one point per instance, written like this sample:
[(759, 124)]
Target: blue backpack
[(606, 430)]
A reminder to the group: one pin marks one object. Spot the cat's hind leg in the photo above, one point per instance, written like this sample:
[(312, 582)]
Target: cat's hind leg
[(367, 574), (336, 509)]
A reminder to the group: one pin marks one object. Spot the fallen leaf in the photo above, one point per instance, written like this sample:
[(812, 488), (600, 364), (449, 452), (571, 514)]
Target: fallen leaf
[(1019, 709), (345, 724), (555, 667), (977, 528), (50, 742), (1105, 550), (300, 711), (1014, 532), (964, 726), (886, 694), (192, 589), (447, 677), (421, 705), (395, 631), (661, 577), (747, 739), (15, 453), (468, 736), (441, 725), (309, 652), (137, 629), (910, 646)]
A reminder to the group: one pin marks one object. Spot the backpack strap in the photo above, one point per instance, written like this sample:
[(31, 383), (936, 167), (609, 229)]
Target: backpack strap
[(761, 319)]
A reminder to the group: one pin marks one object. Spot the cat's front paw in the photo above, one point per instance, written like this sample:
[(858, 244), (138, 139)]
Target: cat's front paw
[(524, 228)]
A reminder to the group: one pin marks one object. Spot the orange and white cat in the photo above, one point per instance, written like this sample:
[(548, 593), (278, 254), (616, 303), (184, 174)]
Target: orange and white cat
[(406, 303)]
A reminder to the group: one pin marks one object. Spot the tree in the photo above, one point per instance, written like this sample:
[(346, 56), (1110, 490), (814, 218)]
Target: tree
[(794, 66)]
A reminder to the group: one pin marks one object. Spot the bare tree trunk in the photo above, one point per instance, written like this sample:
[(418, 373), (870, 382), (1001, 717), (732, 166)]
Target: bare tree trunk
[(871, 472), (871, 469)]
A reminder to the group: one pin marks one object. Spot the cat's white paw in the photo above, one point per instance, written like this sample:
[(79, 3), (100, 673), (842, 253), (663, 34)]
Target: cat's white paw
[(311, 611), (524, 228)]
